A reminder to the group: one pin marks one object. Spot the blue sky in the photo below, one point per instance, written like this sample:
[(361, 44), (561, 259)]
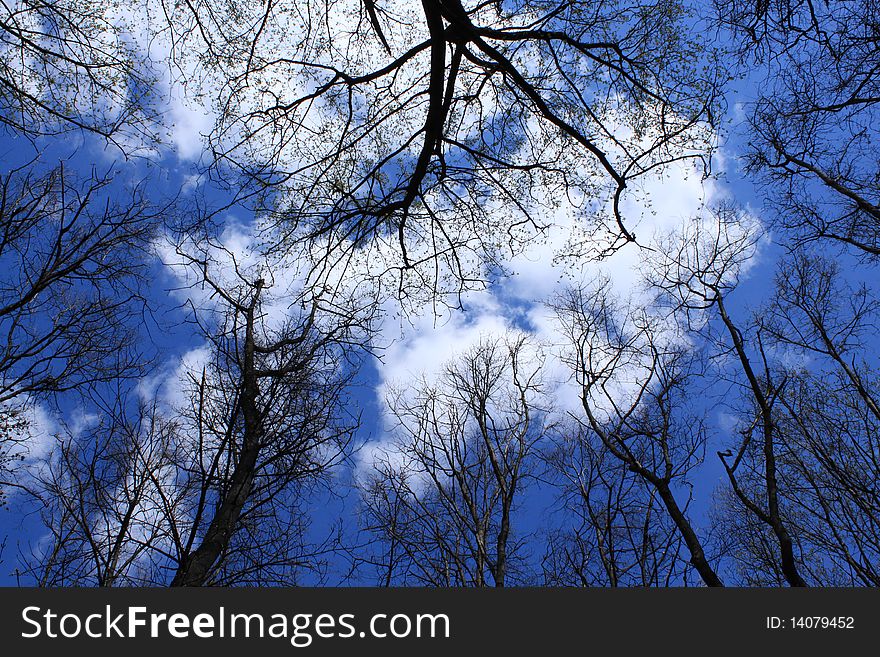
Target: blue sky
[(413, 341)]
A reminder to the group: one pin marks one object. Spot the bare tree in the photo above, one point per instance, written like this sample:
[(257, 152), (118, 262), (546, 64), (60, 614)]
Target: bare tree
[(696, 271), (612, 529), (422, 140), (73, 252), (440, 501), (73, 257), (269, 416), (813, 127), (826, 418), (105, 494), (211, 489), (73, 64), (635, 380)]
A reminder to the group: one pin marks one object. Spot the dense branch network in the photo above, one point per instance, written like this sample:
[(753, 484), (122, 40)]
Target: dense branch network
[(427, 140)]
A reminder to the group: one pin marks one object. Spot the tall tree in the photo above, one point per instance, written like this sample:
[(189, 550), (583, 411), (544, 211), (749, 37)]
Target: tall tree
[(440, 501), (73, 254), (695, 272), (634, 377), (826, 415), (611, 528), (210, 487), (269, 416), (813, 127)]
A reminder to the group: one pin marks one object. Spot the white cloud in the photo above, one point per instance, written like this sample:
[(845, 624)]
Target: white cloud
[(535, 276), (171, 386), (43, 427), (188, 124), (544, 265)]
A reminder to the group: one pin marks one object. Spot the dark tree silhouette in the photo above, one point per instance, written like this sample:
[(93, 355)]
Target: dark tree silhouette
[(611, 529), (72, 261), (646, 424), (423, 140), (71, 65), (813, 128), (439, 503), (825, 418), (210, 489)]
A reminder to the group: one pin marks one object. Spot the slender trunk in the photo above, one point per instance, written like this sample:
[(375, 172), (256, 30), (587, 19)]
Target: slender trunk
[(698, 556), (772, 518), (196, 567)]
